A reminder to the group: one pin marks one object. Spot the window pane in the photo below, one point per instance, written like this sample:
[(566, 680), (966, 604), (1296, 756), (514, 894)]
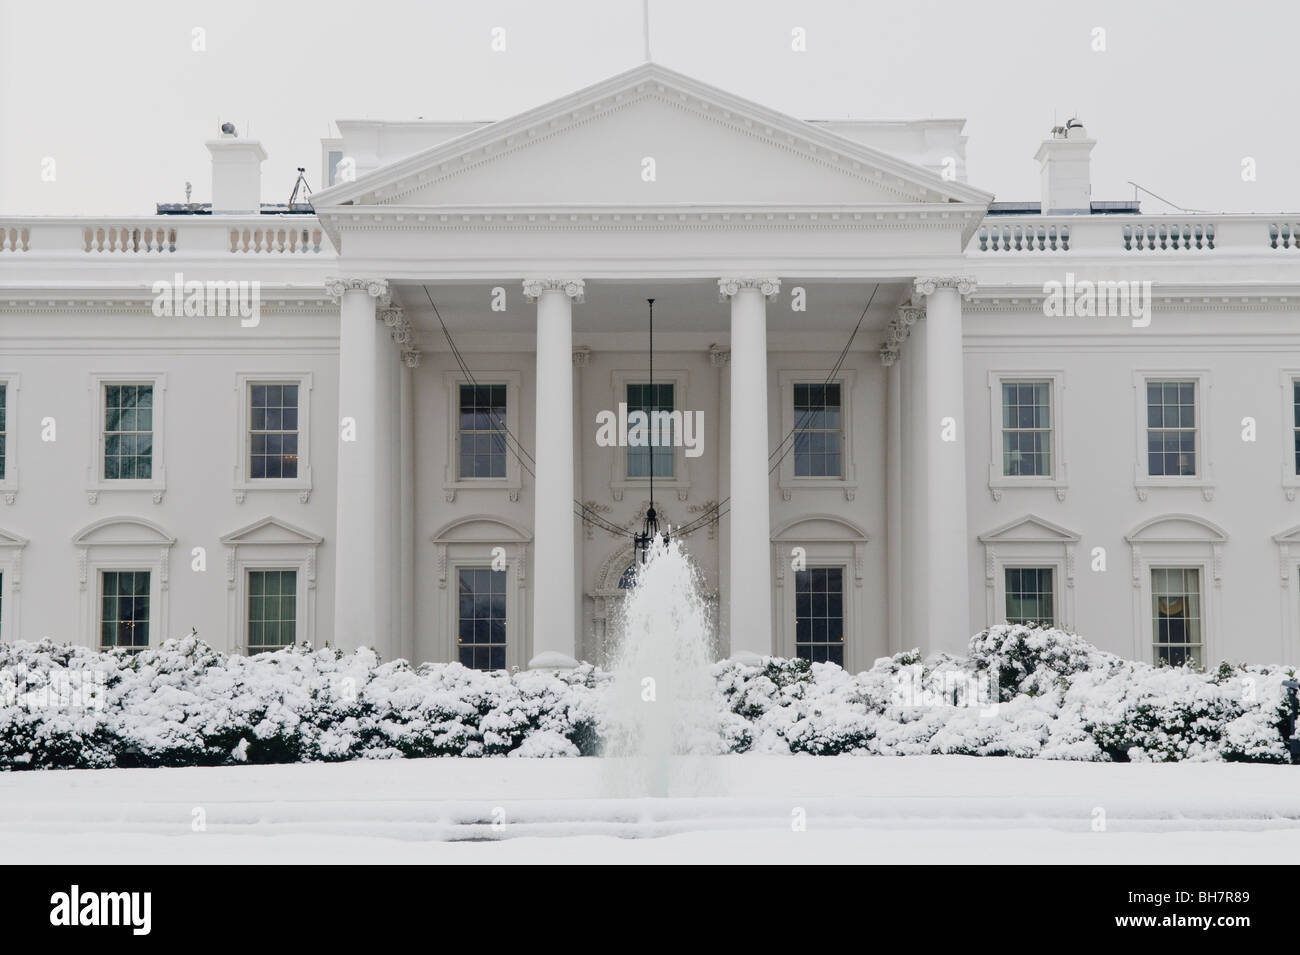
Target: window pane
[(273, 431), (1029, 595), (272, 609), (1171, 428), (819, 614), (1026, 429), (481, 617), (482, 436), (817, 431), (657, 454), (1176, 616)]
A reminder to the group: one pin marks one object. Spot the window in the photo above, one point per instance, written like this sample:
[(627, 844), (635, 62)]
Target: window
[(1030, 595), (482, 431), (128, 432), (1027, 428), (273, 431), (817, 430), (272, 449), (1176, 615), (272, 609), (819, 614), (1295, 425), (124, 614), (1171, 428), (481, 618), (4, 427), (650, 399)]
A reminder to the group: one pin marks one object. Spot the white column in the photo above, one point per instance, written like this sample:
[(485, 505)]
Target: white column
[(410, 361), (750, 596), (359, 589), (554, 579), (904, 468), (581, 360), (948, 623), (720, 358), (894, 500)]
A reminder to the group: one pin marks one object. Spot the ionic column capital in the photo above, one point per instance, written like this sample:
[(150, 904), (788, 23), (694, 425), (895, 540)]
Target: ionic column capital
[(929, 284), (573, 288), (768, 286), (375, 288), (582, 356), (719, 357)]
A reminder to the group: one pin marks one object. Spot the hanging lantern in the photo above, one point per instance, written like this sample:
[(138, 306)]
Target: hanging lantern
[(650, 528)]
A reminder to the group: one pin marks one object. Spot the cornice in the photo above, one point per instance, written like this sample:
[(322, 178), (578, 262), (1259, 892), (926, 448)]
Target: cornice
[(45, 301), (1220, 300), (952, 217)]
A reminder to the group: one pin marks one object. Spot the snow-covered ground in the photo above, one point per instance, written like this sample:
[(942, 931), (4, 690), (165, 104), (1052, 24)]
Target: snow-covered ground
[(921, 809)]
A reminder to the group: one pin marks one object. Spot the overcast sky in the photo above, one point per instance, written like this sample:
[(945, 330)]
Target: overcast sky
[(115, 94)]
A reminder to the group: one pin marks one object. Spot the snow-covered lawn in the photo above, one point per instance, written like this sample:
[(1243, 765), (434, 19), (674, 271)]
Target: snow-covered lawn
[(918, 809)]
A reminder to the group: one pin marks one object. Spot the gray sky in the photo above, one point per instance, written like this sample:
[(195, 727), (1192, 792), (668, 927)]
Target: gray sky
[(115, 94)]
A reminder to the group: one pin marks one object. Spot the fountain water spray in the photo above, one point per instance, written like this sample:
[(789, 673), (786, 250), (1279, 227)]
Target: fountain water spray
[(662, 724)]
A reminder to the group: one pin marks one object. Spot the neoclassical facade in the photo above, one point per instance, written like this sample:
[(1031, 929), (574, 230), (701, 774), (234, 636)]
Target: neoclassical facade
[(896, 410)]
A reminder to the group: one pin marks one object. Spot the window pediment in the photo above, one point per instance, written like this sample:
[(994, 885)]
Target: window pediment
[(270, 530), (1174, 528), (820, 527), (122, 530), (1029, 528), (480, 529)]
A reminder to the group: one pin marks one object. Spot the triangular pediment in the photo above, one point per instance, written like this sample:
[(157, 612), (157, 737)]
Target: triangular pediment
[(1029, 528), (598, 147), (270, 530), (9, 539)]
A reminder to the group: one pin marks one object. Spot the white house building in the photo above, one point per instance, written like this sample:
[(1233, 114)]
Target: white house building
[(373, 420)]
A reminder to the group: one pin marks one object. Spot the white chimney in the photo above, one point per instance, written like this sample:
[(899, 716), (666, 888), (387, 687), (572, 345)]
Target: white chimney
[(236, 173), (1066, 182)]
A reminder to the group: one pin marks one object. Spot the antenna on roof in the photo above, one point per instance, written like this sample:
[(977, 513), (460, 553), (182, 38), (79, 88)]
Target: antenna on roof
[(1136, 187), (645, 27), (300, 183)]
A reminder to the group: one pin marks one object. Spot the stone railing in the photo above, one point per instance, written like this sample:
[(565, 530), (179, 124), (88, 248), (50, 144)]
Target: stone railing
[(1133, 235), (306, 239), (1284, 235), (131, 237)]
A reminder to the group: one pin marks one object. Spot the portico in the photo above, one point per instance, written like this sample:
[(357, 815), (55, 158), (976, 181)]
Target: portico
[(530, 245)]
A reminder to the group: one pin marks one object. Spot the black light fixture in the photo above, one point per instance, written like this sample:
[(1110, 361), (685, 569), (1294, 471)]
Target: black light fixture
[(650, 529)]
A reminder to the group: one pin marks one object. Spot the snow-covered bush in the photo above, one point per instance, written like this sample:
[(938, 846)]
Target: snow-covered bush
[(1022, 691)]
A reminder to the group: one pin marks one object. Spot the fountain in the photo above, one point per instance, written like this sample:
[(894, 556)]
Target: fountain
[(661, 725)]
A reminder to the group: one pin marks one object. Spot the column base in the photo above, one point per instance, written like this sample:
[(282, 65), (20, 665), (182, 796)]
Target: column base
[(552, 660)]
